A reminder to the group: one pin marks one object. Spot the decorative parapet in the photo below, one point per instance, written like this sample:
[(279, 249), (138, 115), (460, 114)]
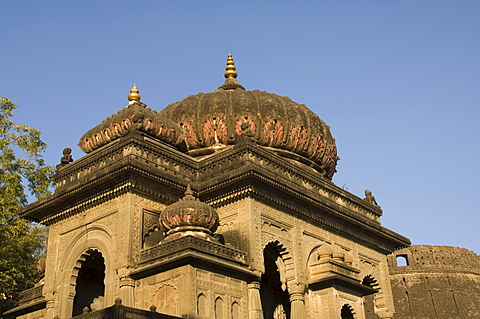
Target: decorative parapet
[(142, 164), (445, 279), (119, 311), (30, 300), (337, 274), (326, 269), (31, 294), (191, 242)]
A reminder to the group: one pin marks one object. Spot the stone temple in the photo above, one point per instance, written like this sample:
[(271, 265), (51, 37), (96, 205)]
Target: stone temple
[(222, 206)]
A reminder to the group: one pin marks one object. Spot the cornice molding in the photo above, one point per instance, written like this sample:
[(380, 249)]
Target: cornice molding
[(140, 164)]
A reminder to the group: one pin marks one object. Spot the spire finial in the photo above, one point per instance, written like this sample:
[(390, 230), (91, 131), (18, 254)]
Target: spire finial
[(134, 96), (230, 69), (189, 190), (231, 83)]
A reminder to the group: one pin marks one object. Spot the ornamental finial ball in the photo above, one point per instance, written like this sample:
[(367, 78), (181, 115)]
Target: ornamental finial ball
[(230, 69), (134, 96)]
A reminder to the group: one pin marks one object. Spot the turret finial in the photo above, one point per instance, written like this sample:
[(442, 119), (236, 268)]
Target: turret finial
[(230, 69), (134, 96)]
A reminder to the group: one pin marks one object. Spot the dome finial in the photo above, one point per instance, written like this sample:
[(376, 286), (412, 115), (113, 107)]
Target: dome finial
[(134, 96), (230, 69), (230, 76), (189, 191)]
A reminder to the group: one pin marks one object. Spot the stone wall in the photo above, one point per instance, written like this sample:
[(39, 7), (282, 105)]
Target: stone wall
[(435, 282)]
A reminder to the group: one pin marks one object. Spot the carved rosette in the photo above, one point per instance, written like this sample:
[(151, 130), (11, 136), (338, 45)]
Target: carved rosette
[(217, 118), (133, 117)]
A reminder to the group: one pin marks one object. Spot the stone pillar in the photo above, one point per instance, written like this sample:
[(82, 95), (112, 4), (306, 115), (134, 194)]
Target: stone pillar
[(126, 286), (126, 293), (50, 307), (254, 302), (67, 308), (297, 301)]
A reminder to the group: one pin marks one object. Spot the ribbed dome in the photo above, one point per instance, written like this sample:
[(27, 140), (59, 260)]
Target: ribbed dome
[(212, 120), (189, 214), (135, 116), (325, 251)]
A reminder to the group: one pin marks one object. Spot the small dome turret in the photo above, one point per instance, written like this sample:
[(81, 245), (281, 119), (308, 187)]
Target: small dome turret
[(338, 253), (325, 252), (189, 215), (135, 116)]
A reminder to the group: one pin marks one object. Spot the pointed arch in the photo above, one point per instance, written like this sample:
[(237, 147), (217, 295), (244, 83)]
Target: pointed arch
[(370, 302), (347, 312), (201, 305), (89, 284), (166, 299), (91, 238), (371, 282), (286, 258), (312, 256), (219, 308), (236, 310), (273, 282)]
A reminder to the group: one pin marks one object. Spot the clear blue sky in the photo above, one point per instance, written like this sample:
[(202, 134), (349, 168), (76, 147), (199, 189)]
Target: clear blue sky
[(397, 81)]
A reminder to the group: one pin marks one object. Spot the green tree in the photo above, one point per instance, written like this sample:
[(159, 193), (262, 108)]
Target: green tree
[(22, 169)]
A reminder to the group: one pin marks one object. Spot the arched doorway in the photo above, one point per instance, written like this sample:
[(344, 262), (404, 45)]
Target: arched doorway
[(347, 312), (90, 285), (273, 292), (369, 300)]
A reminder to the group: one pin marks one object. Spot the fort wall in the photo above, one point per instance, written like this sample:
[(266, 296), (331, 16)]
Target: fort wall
[(435, 282)]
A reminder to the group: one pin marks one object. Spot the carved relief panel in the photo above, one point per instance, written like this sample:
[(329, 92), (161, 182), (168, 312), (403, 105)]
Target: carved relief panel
[(151, 233)]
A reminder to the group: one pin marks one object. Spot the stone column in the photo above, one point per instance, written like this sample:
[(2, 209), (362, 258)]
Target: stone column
[(50, 307), (127, 286), (67, 307), (254, 302), (297, 301)]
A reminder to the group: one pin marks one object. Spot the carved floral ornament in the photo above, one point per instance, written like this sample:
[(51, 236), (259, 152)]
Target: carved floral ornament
[(273, 134)]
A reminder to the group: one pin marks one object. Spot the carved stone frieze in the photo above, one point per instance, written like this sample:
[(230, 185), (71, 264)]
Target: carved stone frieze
[(231, 160)]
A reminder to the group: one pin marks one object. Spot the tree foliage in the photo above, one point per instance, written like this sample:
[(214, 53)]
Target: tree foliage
[(22, 170)]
